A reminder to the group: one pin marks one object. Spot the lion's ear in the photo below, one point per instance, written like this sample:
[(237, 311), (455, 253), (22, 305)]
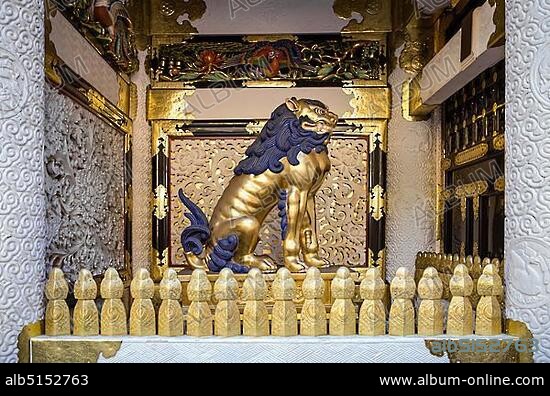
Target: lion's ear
[(292, 104)]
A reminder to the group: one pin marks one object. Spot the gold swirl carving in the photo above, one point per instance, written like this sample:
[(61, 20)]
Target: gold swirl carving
[(85, 315), (314, 315), (203, 167), (57, 312), (227, 321), (472, 154), (342, 312), (170, 319), (113, 313), (499, 142), (500, 183), (372, 315), (471, 190)]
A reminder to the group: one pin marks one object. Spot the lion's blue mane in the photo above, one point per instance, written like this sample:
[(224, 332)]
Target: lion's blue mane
[(282, 136)]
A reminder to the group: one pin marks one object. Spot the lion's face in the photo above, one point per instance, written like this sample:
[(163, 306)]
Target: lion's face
[(313, 115)]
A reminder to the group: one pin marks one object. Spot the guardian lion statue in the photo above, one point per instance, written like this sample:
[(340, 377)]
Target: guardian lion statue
[(284, 167)]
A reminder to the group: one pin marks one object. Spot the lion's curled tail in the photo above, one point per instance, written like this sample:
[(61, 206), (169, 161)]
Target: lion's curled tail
[(195, 237)]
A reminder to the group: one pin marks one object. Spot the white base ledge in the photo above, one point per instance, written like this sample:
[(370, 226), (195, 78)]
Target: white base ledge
[(300, 349)]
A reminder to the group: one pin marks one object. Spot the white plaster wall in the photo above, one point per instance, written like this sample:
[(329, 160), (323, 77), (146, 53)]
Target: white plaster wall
[(22, 199), (269, 16), (258, 103), (412, 157), (527, 227), (141, 174)]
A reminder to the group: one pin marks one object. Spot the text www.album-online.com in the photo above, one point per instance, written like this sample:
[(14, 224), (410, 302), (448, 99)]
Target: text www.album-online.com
[(486, 380)]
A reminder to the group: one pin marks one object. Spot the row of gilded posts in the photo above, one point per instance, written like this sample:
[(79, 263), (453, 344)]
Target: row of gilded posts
[(226, 319)]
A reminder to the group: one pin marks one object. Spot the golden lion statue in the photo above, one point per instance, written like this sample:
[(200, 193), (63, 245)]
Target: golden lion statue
[(284, 167)]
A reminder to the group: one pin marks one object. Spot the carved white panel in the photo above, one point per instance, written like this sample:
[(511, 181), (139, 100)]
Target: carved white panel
[(412, 157), (84, 160), (527, 227), (22, 202)]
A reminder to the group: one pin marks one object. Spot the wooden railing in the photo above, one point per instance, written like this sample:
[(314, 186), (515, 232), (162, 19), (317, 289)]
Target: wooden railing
[(225, 319)]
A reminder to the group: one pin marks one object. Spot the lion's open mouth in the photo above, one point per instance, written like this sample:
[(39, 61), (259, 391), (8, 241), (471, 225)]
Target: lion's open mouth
[(319, 126)]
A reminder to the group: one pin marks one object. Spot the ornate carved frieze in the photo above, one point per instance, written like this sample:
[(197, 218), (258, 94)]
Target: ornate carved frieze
[(325, 61), (107, 26), (84, 183)]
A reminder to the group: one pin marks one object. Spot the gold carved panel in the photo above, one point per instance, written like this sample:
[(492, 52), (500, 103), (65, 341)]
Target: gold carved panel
[(203, 168)]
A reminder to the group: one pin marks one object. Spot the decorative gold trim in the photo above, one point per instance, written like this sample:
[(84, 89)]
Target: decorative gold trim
[(380, 261), (169, 104), (499, 142), (123, 102), (446, 164), (358, 83), (463, 248), (476, 249), (504, 353), (519, 329), (51, 59), (99, 104), (72, 351), (471, 190), (160, 202), (127, 142), (463, 208), (377, 198), (472, 154), (500, 184), (255, 127), (413, 108), (440, 208), (447, 193), (24, 340), (498, 21), (379, 138), (366, 127), (375, 15), (369, 102), (163, 17), (254, 38), (160, 139), (158, 265), (476, 207), (269, 84), (133, 101)]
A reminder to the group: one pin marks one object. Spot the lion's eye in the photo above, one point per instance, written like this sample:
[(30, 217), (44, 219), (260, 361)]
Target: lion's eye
[(320, 111)]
